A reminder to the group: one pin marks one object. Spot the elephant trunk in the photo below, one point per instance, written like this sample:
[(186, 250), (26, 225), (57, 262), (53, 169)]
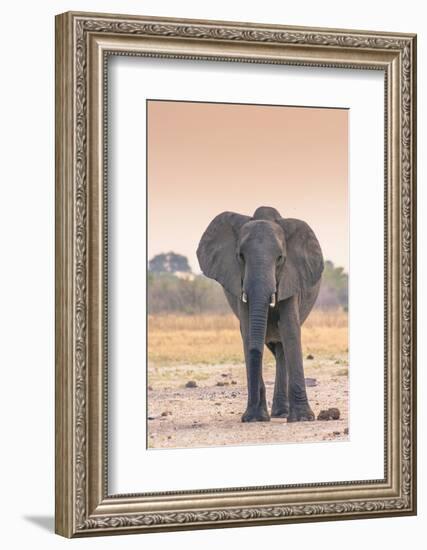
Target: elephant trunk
[(258, 313)]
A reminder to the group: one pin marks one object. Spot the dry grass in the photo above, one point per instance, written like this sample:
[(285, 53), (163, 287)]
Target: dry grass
[(335, 318), (171, 323), (215, 339)]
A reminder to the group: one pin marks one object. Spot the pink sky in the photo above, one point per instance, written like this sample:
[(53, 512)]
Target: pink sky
[(204, 158)]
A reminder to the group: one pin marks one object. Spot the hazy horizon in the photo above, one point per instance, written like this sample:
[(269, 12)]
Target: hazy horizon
[(206, 158), (198, 271)]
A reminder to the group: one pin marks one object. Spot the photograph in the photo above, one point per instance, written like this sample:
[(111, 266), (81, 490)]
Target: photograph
[(235, 273), (248, 274), (214, 255)]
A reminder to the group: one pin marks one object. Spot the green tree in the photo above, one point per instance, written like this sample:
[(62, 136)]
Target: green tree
[(169, 263), (334, 287)]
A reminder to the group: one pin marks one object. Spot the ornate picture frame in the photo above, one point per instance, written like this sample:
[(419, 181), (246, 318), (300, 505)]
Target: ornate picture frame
[(84, 42)]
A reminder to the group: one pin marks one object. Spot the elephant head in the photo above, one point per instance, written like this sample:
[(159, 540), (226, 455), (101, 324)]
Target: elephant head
[(262, 260)]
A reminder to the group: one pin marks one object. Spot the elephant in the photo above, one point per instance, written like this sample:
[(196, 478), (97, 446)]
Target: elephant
[(270, 269)]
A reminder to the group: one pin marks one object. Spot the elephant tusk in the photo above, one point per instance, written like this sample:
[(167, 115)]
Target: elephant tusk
[(244, 297), (273, 300)]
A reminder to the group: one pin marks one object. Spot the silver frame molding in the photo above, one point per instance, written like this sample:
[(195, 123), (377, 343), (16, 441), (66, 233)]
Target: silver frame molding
[(83, 43)]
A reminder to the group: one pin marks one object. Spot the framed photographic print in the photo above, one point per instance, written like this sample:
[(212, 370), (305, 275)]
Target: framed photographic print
[(235, 274)]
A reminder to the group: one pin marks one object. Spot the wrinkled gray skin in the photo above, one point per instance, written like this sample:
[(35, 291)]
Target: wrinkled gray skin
[(270, 269)]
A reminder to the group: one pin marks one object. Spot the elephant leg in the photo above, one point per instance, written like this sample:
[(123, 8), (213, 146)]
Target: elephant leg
[(290, 334), (256, 410), (280, 406)]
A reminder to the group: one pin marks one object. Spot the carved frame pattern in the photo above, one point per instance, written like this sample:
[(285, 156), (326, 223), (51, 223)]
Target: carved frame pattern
[(84, 510)]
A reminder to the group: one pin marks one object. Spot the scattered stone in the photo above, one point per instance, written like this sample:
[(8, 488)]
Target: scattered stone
[(218, 404), (346, 431), (224, 375), (191, 384), (220, 384), (336, 433), (310, 382), (151, 418), (334, 413), (150, 388), (329, 414), (233, 382), (310, 357), (169, 437), (337, 362), (166, 413), (233, 394)]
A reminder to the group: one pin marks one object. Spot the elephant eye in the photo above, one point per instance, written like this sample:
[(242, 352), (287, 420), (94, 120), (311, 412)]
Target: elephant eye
[(240, 257), (280, 259)]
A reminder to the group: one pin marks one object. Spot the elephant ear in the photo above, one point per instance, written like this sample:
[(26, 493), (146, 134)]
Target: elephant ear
[(217, 250), (304, 259)]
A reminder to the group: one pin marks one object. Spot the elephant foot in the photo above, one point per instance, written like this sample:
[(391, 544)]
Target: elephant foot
[(280, 409), (256, 414), (300, 413)]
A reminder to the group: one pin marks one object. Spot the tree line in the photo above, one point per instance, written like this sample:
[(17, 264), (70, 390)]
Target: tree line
[(172, 288)]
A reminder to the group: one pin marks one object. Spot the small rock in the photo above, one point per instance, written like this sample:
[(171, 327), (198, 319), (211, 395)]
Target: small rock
[(337, 362), (336, 433), (329, 414), (334, 413), (224, 375), (191, 384), (150, 388), (233, 382), (218, 404), (169, 437), (310, 382), (310, 357), (220, 384), (151, 418), (166, 413), (346, 431)]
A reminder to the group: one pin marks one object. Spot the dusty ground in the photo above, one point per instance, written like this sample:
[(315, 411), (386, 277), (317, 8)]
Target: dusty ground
[(209, 414)]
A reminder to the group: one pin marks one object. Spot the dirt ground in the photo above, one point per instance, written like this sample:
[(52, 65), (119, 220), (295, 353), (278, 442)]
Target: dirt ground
[(209, 414)]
